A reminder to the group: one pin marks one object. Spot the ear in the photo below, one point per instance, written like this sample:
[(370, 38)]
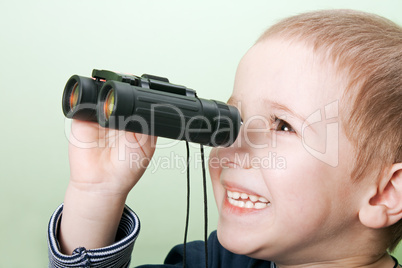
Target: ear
[(383, 207)]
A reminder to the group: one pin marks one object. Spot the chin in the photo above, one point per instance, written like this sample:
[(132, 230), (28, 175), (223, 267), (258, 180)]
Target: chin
[(236, 243)]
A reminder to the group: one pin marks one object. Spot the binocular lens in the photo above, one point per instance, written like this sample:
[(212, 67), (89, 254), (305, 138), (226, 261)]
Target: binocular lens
[(74, 96), (108, 104)]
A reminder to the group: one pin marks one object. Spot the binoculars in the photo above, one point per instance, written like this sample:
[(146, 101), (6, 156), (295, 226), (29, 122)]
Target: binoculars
[(150, 105)]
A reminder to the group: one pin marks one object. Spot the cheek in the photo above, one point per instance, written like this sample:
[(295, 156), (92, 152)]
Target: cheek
[(307, 192), (321, 140), (298, 180)]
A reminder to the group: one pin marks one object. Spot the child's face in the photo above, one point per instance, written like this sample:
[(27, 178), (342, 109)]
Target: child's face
[(302, 170)]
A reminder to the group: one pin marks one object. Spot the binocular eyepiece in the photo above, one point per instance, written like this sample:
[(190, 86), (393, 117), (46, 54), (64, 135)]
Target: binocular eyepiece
[(150, 105)]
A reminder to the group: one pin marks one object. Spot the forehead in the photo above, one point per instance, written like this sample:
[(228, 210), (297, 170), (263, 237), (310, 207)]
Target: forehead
[(290, 73)]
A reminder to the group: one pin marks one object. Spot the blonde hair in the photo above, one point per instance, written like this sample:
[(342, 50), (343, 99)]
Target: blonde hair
[(367, 49)]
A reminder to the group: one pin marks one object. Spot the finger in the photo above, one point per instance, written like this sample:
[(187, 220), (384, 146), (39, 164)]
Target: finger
[(147, 143), (85, 129)]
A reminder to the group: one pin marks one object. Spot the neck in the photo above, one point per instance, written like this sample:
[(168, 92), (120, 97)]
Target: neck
[(383, 261)]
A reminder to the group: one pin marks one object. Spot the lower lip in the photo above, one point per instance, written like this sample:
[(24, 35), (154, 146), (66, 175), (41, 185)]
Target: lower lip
[(238, 210)]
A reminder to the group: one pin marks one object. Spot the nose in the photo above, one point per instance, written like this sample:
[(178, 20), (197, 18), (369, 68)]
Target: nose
[(255, 133), (254, 139)]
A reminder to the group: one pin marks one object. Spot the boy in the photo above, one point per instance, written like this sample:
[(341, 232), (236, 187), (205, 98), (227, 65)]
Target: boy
[(321, 90)]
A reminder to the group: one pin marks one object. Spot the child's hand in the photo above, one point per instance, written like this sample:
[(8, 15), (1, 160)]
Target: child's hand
[(107, 160), (102, 175)]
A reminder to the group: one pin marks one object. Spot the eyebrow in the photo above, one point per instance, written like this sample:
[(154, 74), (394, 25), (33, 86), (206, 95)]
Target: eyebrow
[(275, 105), (232, 101), (279, 106)]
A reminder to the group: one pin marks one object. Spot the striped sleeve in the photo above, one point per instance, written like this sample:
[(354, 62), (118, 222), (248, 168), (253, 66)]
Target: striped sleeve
[(116, 255)]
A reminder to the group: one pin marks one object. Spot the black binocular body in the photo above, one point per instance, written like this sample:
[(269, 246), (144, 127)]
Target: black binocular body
[(150, 105)]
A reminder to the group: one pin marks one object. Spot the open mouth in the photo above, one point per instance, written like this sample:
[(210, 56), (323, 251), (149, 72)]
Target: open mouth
[(244, 200)]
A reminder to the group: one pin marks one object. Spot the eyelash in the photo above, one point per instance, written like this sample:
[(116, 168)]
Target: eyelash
[(277, 122)]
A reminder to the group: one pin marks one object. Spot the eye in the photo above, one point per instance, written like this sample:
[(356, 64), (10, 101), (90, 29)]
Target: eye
[(282, 125)]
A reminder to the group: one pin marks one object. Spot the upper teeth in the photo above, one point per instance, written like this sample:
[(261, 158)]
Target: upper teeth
[(244, 200)]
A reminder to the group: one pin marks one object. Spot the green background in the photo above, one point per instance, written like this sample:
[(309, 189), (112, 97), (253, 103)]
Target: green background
[(43, 43)]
